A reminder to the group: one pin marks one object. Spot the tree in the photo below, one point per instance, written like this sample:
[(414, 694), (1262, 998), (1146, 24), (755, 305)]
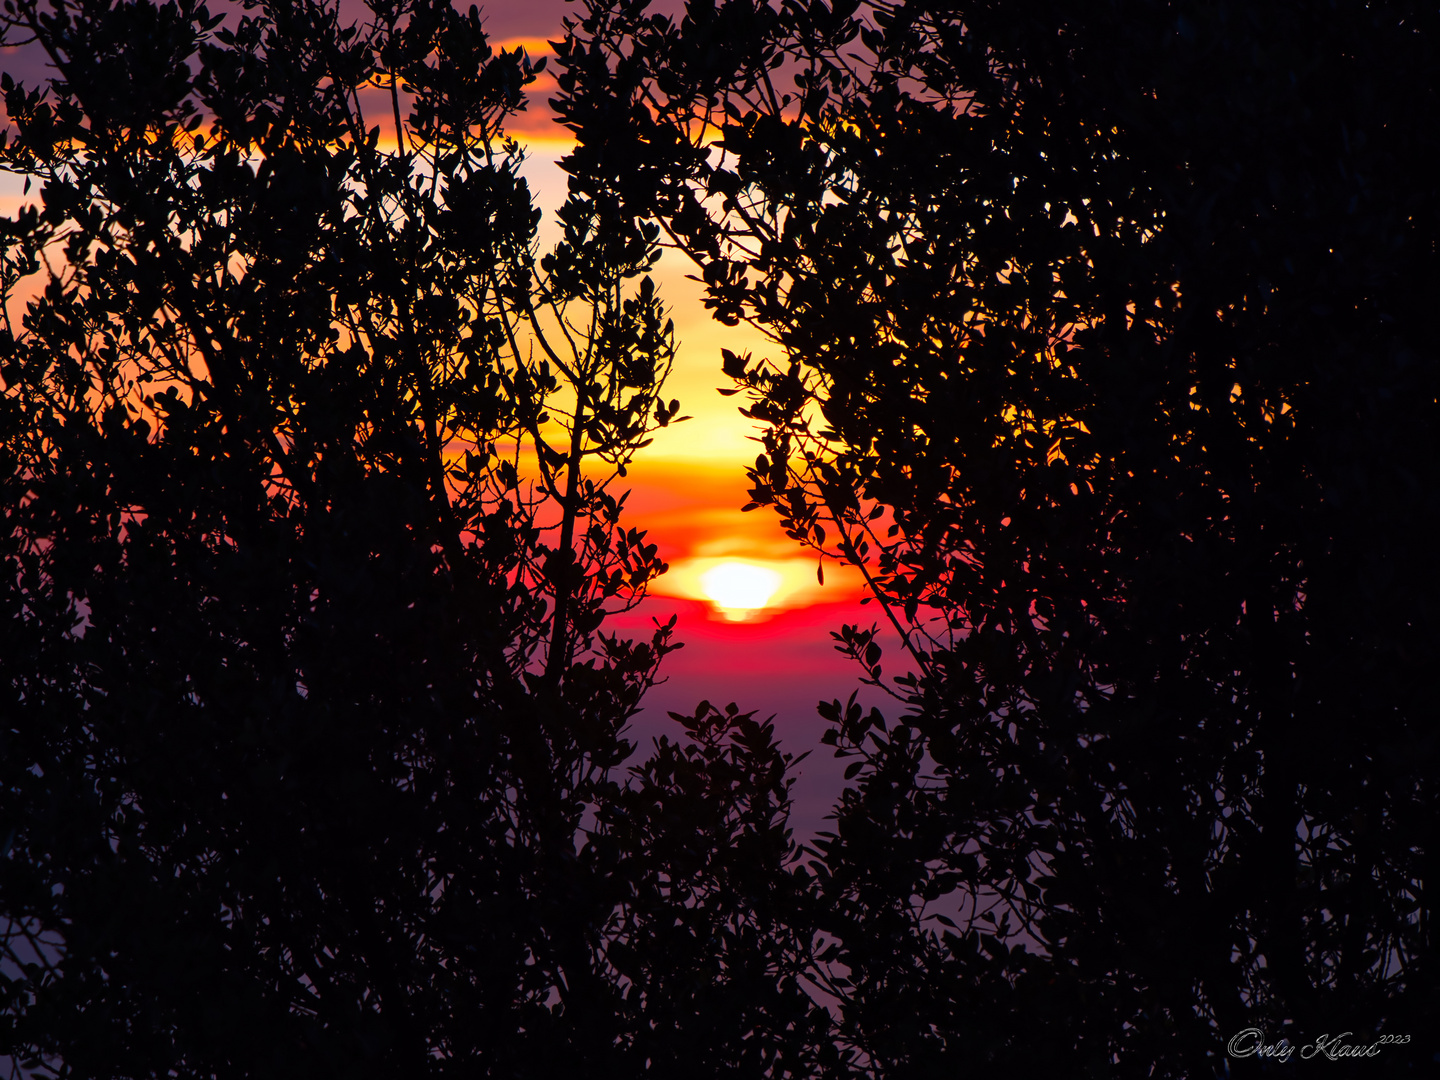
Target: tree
[(312, 731), (1102, 348)]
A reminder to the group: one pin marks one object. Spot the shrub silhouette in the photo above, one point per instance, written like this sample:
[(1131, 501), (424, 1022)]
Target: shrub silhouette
[(313, 736), (1100, 343)]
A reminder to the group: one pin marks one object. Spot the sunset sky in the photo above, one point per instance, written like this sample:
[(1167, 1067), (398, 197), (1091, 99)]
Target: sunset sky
[(687, 489), (770, 650)]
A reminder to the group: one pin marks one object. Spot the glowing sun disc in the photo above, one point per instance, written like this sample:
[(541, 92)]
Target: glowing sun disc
[(740, 587)]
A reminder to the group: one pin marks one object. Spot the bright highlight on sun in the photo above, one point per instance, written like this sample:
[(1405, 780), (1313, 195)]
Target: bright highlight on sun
[(738, 588)]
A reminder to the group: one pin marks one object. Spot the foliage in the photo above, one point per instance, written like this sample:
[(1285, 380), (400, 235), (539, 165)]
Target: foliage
[(311, 729), (712, 942), (1102, 347)]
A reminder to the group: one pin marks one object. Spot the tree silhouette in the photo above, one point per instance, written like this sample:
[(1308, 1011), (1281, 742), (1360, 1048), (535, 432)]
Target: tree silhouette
[(1102, 346), (312, 732)]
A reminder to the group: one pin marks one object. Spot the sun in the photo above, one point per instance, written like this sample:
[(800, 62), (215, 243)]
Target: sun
[(738, 588)]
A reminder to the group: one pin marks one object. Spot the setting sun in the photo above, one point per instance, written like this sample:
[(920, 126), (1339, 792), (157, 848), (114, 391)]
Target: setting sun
[(738, 588)]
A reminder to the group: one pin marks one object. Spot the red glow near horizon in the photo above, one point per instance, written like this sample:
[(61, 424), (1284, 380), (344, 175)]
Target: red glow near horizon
[(778, 666)]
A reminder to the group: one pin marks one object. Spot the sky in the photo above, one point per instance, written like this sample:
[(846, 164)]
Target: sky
[(770, 650), (686, 491)]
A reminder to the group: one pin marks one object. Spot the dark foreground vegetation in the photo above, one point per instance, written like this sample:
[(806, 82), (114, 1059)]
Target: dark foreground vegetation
[(1101, 340)]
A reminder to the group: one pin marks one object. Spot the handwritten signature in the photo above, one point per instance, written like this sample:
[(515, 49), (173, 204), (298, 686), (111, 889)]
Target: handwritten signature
[(1251, 1043)]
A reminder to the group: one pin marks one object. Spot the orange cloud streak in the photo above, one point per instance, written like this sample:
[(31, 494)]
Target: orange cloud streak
[(692, 512)]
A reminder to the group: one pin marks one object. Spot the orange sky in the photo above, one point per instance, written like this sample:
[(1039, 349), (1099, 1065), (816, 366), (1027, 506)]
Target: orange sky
[(686, 492), (689, 484), (687, 489)]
